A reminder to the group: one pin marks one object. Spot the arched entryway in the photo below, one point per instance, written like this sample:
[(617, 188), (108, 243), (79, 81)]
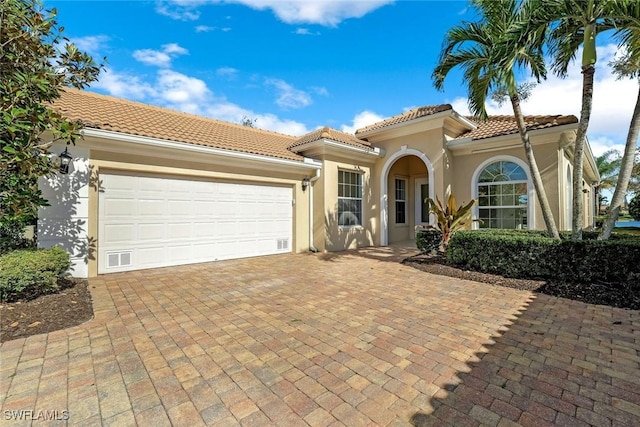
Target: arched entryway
[(406, 181)]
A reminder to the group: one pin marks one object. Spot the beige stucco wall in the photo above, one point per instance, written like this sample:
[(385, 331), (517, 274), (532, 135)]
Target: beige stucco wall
[(546, 157), (337, 238), (105, 162)]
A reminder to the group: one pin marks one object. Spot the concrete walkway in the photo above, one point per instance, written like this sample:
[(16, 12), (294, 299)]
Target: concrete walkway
[(349, 339)]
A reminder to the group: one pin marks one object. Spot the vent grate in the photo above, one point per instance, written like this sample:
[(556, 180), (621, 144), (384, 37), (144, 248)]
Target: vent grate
[(119, 259), (283, 244)]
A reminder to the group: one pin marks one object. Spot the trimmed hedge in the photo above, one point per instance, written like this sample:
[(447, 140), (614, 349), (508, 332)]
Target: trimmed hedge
[(31, 273), (531, 254), (634, 207), (428, 240)]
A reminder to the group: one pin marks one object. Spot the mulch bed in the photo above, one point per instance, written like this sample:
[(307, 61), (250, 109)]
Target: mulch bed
[(593, 293), (72, 305), (69, 307)]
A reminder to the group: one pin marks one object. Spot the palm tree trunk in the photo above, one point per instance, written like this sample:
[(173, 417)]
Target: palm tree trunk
[(626, 168), (552, 229), (578, 153)]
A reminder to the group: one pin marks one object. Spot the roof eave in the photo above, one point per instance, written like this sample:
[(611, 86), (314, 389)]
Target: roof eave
[(394, 126), (306, 163), (373, 151), (468, 141)]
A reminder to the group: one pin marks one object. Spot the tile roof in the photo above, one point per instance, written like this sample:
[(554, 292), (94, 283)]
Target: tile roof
[(328, 133), (134, 118), (416, 113), (506, 125)]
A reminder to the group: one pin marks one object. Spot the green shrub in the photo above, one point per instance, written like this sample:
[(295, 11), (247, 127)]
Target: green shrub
[(428, 240), (634, 207), (30, 273), (533, 255)]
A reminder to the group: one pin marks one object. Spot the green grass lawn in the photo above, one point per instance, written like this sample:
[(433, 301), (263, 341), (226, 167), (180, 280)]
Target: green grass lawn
[(629, 231)]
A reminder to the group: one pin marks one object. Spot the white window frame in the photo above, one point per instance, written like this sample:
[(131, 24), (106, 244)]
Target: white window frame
[(342, 216), (531, 195), (404, 200)]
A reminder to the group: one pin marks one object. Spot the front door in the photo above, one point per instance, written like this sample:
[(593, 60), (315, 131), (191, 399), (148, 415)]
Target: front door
[(422, 205)]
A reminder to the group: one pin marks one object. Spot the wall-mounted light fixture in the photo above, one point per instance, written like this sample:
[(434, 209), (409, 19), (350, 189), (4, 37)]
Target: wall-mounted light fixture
[(65, 161), (305, 183)]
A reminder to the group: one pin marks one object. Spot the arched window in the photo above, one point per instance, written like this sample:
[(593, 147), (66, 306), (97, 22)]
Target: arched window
[(503, 197)]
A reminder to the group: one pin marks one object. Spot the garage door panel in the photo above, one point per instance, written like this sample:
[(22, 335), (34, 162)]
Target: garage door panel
[(151, 232), (180, 253), (206, 230), (147, 222), (151, 207), (179, 230), (117, 233), (149, 257), (204, 208), (120, 207)]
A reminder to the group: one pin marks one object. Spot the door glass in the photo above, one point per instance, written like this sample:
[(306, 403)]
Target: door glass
[(424, 195)]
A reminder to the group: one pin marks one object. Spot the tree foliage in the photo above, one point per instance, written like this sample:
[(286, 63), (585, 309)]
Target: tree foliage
[(608, 164), (628, 66), (634, 182), (634, 207), (248, 122), (36, 63), (490, 52), (450, 217)]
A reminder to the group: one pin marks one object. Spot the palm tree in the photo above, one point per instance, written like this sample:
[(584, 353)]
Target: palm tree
[(571, 24), (608, 165), (628, 66), (490, 52)]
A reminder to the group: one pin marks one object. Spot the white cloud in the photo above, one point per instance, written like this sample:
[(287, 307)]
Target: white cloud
[(174, 48), (160, 58), (179, 89), (93, 45), (288, 96), (227, 72), (204, 28), (319, 90), (306, 32), (188, 94), (179, 11), (329, 13), (227, 111), (360, 120), (322, 12), (601, 144), (613, 100), (123, 85)]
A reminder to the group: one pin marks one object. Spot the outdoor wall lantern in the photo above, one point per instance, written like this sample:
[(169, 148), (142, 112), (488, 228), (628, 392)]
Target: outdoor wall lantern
[(305, 183), (65, 161)]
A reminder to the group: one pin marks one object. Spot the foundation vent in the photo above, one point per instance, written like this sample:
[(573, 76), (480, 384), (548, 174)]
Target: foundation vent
[(119, 259), (283, 244)]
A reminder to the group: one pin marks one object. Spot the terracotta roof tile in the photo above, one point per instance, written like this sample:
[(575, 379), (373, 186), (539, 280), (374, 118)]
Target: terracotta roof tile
[(416, 113), (506, 125), (328, 133), (119, 115)]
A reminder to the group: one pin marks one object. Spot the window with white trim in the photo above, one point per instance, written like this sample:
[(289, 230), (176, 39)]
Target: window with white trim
[(401, 200), (349, 198), (503, 196)]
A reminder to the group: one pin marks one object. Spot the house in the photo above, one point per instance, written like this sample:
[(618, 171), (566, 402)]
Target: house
[(151, 187)]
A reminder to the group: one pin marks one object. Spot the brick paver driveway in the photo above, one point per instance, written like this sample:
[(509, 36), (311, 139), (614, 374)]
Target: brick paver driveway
[(346, 339)]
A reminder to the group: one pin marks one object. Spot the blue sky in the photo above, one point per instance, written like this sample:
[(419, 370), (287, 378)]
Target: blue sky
[(296, 65)]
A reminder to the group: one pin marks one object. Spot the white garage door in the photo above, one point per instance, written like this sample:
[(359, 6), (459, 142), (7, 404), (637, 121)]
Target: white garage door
[(147, 222)]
